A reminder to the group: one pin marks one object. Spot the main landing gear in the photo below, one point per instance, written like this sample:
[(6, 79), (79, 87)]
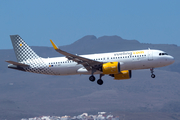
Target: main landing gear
[(99, 81), (152, 71), (92, 78)]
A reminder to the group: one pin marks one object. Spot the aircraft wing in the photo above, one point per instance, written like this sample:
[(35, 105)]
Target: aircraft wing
[(87, 63), (18, 64)]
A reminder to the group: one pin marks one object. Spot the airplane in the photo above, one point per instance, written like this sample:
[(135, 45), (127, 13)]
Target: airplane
[(115, 64)]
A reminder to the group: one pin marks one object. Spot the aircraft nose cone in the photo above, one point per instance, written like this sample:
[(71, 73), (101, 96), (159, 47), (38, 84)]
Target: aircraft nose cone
[(171, 60)]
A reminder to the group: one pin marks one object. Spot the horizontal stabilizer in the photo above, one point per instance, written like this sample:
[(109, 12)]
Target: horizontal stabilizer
[(18, 64)]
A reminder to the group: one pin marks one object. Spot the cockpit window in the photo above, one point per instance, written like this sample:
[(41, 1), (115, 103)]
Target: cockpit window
[(162, 54)]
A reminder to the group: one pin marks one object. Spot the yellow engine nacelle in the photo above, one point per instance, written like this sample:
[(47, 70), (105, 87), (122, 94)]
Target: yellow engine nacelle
[(111, 68), (125, 74)]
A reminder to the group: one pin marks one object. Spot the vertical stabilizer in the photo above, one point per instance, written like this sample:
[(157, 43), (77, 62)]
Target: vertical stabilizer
[(22, 50)]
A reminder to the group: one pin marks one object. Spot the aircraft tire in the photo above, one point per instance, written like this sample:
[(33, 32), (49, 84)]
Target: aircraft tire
[(100, 82), (153, 76), (92, 78)]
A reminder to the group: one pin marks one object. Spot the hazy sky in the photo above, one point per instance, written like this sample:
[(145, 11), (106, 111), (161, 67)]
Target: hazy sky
[(37, 21)]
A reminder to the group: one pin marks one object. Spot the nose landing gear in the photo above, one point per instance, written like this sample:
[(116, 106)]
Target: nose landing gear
[(152, 71), (153, 76)]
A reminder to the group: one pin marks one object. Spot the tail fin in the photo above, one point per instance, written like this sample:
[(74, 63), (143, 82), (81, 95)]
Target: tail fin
[(22, 50)]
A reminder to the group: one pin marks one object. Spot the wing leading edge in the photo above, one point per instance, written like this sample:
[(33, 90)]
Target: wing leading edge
[(87, 63)]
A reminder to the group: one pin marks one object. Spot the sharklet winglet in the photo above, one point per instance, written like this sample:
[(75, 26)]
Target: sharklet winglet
[(54, 46)]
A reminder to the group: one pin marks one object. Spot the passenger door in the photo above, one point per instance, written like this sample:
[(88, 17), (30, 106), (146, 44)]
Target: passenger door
[(150, 55)]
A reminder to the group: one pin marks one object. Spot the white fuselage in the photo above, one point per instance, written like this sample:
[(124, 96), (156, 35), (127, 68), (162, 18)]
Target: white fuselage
[(129, 60), (115, 64)]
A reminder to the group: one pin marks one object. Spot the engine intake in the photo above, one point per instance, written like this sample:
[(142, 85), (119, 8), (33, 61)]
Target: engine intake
[(125, 74), (111, 68)]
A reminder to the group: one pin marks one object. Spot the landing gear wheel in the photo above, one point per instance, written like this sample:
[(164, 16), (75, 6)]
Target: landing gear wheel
[(99, 82), (92, 78), (153, 76), (152, 71)]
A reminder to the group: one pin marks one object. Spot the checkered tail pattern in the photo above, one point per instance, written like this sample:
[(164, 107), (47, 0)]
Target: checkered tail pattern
[(26, 55)]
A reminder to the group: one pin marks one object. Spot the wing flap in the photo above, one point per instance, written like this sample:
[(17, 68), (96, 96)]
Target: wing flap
[(18, 64)]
